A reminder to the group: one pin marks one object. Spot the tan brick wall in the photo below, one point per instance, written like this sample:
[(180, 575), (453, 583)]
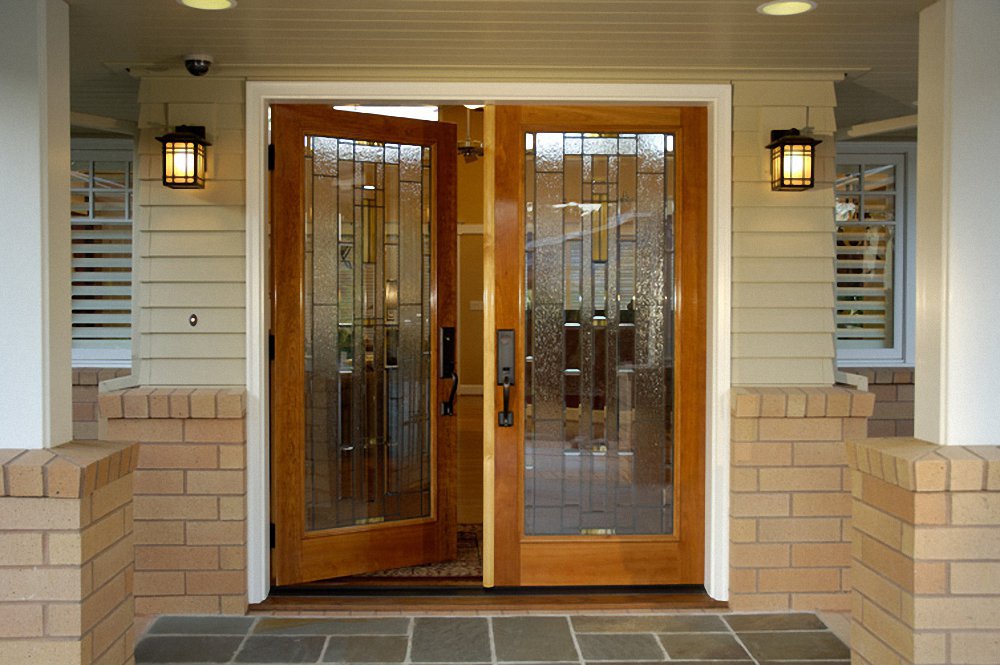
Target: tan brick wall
[(926, 553), (790, 496), (893, 390), (85, 382), (66, 555), (190, 496)]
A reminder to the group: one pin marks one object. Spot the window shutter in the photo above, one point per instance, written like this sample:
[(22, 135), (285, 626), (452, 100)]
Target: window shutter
[(101, 222)]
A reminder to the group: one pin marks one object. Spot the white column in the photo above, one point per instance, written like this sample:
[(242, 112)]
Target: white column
[(35, 375), (958, 225)]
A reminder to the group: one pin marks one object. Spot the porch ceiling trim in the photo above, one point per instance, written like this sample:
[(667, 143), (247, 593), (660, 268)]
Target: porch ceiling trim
[(517, 75)]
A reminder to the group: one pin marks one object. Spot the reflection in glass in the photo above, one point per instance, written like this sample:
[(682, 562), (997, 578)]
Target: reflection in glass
[(599, 334), (367, 332), (866, 239)]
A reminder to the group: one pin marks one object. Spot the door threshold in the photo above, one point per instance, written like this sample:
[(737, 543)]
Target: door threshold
[(439, 598)]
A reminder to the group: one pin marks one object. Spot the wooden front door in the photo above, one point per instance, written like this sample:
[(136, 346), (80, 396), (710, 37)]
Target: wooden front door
[(363, 262), (599, 249)]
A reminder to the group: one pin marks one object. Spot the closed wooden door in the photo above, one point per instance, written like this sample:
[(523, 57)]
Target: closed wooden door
[(363, 259), (599, 248)]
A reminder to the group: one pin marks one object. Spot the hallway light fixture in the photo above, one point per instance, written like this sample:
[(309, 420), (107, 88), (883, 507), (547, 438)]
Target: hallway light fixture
[(786, 7), (184, 157), (210, 5), (791, 160)]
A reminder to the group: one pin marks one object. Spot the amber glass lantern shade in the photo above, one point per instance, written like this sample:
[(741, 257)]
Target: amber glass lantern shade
[(792, 160), (184, 157)]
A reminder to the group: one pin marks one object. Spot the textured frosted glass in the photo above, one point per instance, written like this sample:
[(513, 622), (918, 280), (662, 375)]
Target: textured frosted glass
[(599, 341), (367, 333)]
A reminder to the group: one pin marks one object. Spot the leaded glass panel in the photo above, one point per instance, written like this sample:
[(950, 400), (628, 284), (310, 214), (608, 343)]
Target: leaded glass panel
[(367, 332), (599, 334)]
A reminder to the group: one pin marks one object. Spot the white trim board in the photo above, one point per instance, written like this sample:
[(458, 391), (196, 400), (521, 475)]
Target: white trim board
[(717, 97)]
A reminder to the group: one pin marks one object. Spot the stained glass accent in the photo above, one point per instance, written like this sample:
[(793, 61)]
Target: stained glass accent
[(367, 332), (598, 369)]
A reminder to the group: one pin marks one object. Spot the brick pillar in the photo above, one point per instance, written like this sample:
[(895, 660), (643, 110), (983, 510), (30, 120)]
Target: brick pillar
[(66, 554), (926, 566), (190, 496), (790, 496)]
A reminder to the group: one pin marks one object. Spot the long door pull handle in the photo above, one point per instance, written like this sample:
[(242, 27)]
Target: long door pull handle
[(506, 417)]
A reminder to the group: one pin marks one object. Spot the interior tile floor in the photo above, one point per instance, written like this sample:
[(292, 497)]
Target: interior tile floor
[(551, 639)]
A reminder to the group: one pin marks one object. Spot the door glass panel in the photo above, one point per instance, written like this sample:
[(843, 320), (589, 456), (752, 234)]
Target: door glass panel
[(598, 370), (367, 332)]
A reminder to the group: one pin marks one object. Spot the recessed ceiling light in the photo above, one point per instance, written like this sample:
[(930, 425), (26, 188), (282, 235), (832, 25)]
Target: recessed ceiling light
[(786, 7), (210, 5)]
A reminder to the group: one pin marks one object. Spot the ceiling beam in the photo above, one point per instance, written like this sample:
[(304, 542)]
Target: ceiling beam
[(103, 124), (881, 126)]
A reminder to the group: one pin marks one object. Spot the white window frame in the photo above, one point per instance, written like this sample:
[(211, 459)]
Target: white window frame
[(113, 150), (901, 354)]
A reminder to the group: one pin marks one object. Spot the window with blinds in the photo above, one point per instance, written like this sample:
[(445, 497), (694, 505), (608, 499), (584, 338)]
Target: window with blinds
[(101, 219), (870, 227)]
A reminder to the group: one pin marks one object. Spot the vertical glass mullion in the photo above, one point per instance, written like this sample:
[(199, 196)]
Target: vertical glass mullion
[(310, 373), (611, 314), (359, 393), (530, 226)]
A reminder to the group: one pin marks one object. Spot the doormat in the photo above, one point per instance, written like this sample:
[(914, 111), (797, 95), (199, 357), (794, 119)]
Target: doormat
[(468, 564)]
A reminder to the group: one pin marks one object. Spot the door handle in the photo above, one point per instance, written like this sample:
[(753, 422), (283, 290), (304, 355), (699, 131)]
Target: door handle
[(505, 374), (446, 369)]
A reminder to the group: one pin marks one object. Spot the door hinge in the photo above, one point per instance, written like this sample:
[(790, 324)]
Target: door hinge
[(270, 157), (270, 346), (273, 537)]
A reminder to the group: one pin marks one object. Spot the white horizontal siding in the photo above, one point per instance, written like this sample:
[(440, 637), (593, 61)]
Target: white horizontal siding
[(181, 269), (812, 245), (780, 371), (192, 345), (194, 372), (196, 243), (770, 295), (158, 320), (192, 243), (183, 218), (783, 250), (782, 345), (806, 320)]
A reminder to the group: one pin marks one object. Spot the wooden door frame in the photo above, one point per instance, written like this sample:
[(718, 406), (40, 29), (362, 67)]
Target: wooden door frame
[(716, 97)]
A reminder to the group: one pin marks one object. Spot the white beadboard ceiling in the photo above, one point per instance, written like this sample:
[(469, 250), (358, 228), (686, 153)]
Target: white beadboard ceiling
[(874, 42)]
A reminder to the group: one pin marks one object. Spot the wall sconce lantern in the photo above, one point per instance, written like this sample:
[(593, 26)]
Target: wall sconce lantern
[(184, 157), (791, 160)]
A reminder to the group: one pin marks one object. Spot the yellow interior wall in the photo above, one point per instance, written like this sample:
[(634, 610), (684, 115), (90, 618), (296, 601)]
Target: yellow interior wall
[(470, 253)]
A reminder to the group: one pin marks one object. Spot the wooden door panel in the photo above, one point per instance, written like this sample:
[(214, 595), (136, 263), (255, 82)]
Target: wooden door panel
[(358, 354), (602, 556)]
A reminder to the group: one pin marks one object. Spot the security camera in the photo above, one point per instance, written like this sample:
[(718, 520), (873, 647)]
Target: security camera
[(198, 64)]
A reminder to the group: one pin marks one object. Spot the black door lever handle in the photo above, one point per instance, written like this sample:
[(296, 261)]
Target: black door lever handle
[(448, 407), (447, 368)]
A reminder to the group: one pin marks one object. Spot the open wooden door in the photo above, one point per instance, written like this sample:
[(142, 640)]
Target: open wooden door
[(599, 248), (363, 263)]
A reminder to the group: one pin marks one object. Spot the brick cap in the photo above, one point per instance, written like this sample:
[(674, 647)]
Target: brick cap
[(921, 466), (70, 471), (801, 402), (150, 402)]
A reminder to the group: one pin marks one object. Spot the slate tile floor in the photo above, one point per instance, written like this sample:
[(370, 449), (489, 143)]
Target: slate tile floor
[(690, 639)]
